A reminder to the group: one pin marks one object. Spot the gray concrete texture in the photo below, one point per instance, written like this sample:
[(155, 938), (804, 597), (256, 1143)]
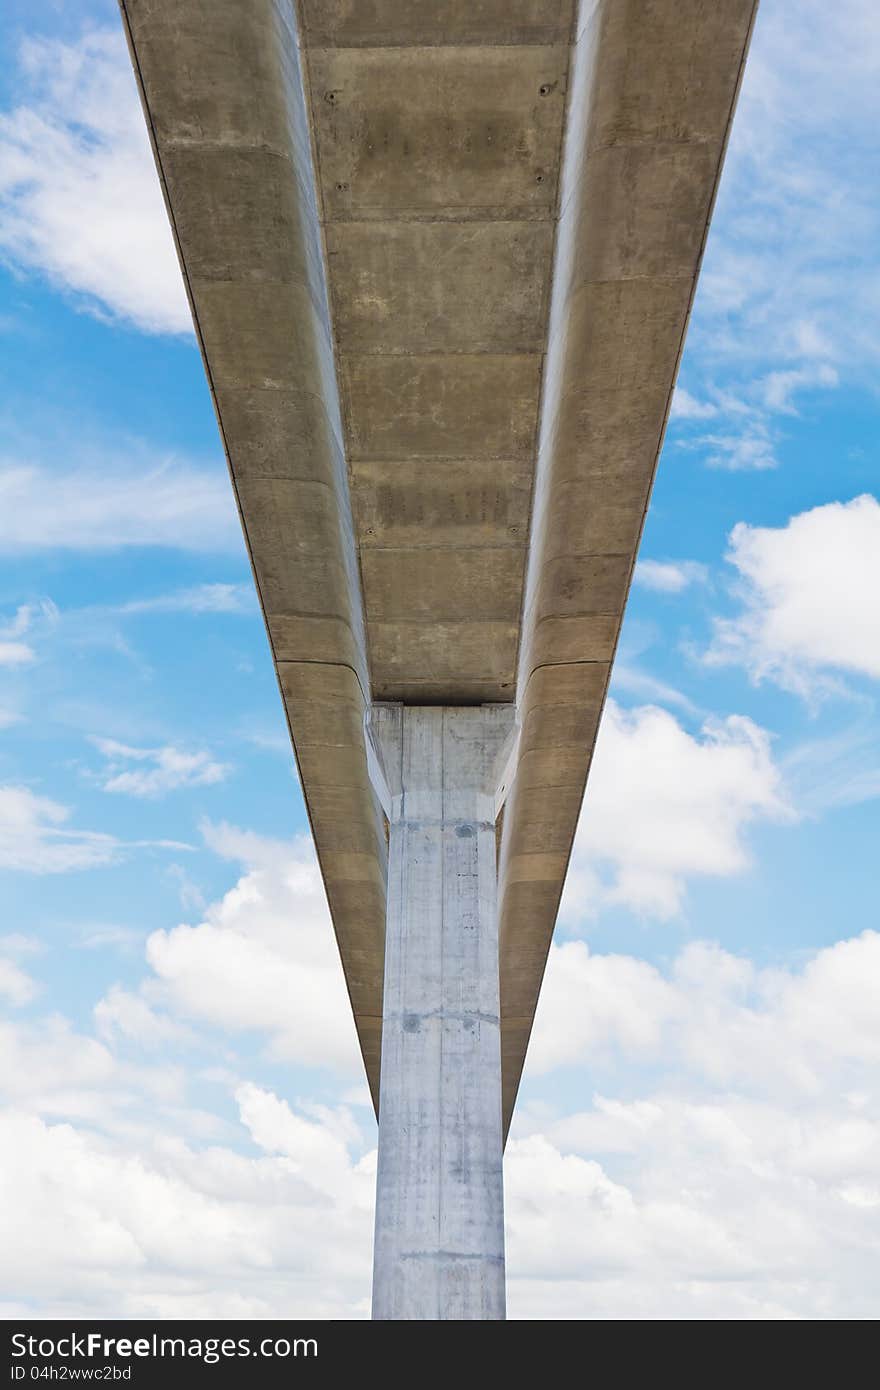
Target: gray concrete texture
[(441, 256), (439, 1247)]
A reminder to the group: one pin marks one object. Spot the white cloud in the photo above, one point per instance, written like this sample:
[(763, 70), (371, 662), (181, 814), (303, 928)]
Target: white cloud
[(165, 769), (630, 678), (264, 958), (53, 1069), (687, 407), (160, 1229), (840, 769), (751, 448), (79, 197), (778, 388), (715, 1015), (124, 1013), (669, 576), (811, 597), (169, 503), (725, 1168), (788, 275), (202, 598), (663, 805), (16, 986), (115, 1211), (14, 652), (597, 1002), (34, 837), (735, 1177), (788, 297)]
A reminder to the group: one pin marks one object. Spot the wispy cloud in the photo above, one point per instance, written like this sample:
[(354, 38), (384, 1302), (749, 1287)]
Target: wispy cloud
[(629, 679), (35, 838), (156, 771), (749, 448), (203, 598), (114, 503), (79, 197), (14, 652), (687, 407), (789, 300), (669, 576), (839, 769)]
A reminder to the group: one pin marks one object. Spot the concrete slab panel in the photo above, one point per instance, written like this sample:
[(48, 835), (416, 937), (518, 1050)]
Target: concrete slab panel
[(440, 286), (423, 662), (442, 585), (357, 23), (455, 502), (445, 131), (465, 406)]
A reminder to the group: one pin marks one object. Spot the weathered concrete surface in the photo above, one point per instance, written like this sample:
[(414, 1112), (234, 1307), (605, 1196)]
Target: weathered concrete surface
[(439, 1248), (441, 256)]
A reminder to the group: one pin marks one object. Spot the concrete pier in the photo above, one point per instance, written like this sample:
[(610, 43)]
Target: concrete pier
[(439, 1251)]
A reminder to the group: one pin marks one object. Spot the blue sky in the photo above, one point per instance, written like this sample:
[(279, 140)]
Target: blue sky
[(698, 1132)]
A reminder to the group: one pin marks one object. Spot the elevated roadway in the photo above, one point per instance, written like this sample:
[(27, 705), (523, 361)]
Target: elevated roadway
[(441, 256)]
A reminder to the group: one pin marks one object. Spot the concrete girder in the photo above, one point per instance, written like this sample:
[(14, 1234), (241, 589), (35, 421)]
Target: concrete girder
[(441, 257)]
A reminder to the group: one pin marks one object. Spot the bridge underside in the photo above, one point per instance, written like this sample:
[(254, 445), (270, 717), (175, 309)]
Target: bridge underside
[(441, 256)]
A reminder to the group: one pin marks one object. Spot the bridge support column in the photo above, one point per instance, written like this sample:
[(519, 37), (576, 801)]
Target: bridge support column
[(439, 1248)]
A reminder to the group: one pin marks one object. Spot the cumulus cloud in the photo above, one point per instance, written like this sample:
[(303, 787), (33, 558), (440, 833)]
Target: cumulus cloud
[(663, 805), (79, 197), (715, 1014), (122, 1012), (16, 986), (736, 1176), (810, 594), (160, 770), (725, 1166), (263, 960), (733, 1175), (113, 504), (161, 1229), (52, 1069)]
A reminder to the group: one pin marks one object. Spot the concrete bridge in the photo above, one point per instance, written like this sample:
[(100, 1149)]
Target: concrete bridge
[(441, 256)]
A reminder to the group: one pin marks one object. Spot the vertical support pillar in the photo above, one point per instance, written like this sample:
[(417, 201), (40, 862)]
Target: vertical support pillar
[(439, 1247)]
